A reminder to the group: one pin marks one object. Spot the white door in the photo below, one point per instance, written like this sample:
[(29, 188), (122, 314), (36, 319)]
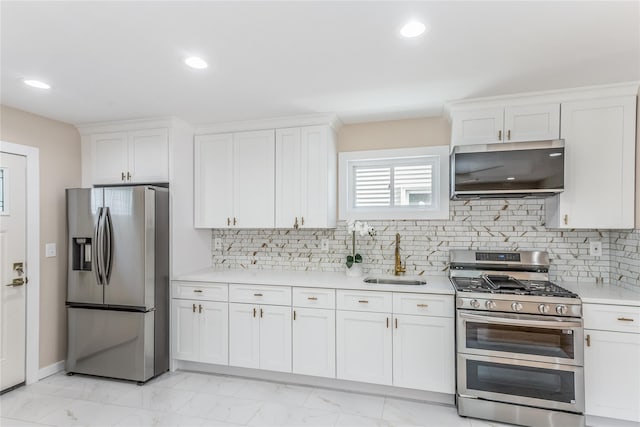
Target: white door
[(149, 156), (12, 253), (186, 330), (314, 342), (214, 332), (532, 123), (288, 178), (254, 179), (275, 338), (599, 163), (109, 158), (213, 181), (477, 127), (363, 347), (612, 375), (423, 353), (244, 335)]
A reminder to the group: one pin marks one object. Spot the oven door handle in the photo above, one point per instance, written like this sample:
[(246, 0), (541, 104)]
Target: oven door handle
[(554, 324)]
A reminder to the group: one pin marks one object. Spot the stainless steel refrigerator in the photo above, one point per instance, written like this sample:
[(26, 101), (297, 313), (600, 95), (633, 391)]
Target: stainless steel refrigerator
[(118, 282)]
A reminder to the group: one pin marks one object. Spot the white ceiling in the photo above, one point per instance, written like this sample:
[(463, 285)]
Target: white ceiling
[(121, 60)]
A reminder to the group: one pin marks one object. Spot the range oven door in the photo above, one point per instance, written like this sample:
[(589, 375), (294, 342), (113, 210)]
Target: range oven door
[(542, 385), (527, 337)]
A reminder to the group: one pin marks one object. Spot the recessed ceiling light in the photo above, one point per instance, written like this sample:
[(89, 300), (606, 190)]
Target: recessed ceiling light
[(196, 62), (511, 178), (412, 29), (555, 154), (37, 83)]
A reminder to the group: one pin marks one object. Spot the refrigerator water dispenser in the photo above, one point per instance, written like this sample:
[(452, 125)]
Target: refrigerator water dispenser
[(81, 253)]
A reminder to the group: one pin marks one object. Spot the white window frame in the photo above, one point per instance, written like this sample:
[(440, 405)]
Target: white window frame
[(440, 184)]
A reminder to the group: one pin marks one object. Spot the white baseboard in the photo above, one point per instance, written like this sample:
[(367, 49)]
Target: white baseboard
[(54, 368)]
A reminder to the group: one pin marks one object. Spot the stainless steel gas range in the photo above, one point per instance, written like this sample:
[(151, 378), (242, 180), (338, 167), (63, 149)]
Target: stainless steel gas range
[(519, 340)]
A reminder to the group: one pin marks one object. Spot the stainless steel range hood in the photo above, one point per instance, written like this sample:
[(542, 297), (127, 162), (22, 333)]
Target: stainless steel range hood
[(507, 170)]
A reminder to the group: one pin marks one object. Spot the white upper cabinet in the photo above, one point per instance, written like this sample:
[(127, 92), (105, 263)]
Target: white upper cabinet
[(234, 180), (599, 190), (306, 162), (506, 124), (133, 157)]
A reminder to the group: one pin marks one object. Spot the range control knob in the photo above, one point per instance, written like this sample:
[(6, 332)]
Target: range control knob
[(475, 303), (490, 305), (516, 306), (561, 309), (543, 308)]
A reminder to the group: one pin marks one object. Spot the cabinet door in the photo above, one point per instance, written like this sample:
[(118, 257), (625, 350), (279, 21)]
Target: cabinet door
[(214, 332), (423, 353), (109, 158), (599, 165), (213, 180), (244, 335), (318, 178), (149, 156), (254, 179), (363, 347), (186, 330), (275, 338), (314, 342), (612, 375), (477, 127), (532, 123), (289, 170)]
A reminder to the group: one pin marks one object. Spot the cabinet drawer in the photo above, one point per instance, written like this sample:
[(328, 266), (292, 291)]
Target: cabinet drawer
[(314, 297), (260, 294), (611, 317), (201, 291), (364, 301), (426, 304)]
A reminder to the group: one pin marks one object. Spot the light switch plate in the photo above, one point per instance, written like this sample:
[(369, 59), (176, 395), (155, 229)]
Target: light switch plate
[(595, 248), (217, 244), (324, 245), (50, 250)]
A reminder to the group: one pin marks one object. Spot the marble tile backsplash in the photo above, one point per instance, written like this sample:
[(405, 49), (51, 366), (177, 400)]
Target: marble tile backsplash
[(425, 244)]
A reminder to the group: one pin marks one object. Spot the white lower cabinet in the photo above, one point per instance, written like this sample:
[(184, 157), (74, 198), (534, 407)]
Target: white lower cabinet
[(260, 336), (363, 347), (314, 342), (200, 331), (423, 353), (612, 362)]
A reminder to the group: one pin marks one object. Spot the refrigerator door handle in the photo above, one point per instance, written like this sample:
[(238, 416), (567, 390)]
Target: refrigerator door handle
[(108, 228), (101, 246), (96, 255)]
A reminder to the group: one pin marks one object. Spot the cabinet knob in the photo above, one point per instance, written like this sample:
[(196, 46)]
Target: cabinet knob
[(499, 135)]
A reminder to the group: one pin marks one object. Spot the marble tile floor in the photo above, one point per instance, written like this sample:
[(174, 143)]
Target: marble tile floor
[(197, 399)]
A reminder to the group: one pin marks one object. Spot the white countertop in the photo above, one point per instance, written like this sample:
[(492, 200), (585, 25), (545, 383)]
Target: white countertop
[(592, 293), (317, 279)]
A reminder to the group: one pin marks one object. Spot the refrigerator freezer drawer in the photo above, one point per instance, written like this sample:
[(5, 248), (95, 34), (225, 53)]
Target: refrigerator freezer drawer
[(116, 344)]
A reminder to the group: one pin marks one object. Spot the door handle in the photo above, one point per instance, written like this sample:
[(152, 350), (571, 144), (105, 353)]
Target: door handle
[(295, 223), (509, 135), (128, 176), (588, 339), (98, 248), (499, 135), (235, 221), (194, 308), (122, 176), (301, 220), (199, 308), (108, 227), (17, 282), (228, 221), (396, 322), (294, 315), (261, 313), (254, 312)]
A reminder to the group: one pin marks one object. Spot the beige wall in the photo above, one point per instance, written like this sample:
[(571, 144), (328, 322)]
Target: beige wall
[(394, 134), (59, 145)]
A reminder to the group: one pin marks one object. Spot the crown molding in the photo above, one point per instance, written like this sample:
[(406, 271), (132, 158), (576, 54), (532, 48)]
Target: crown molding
[(329, 119), (543, 97), (133, 124)]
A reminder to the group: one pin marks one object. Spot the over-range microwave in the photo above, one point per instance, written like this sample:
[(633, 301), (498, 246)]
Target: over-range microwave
[(507, 170)]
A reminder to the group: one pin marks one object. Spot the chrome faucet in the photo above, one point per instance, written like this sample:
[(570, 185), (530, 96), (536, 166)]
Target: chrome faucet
[(399, 268)]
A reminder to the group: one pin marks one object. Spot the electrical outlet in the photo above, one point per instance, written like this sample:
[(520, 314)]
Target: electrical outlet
[(595, 248), (50, 250), (324, 245), (217, 244)]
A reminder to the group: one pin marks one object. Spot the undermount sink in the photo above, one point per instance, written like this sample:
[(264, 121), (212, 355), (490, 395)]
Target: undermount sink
[(390, 281)]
